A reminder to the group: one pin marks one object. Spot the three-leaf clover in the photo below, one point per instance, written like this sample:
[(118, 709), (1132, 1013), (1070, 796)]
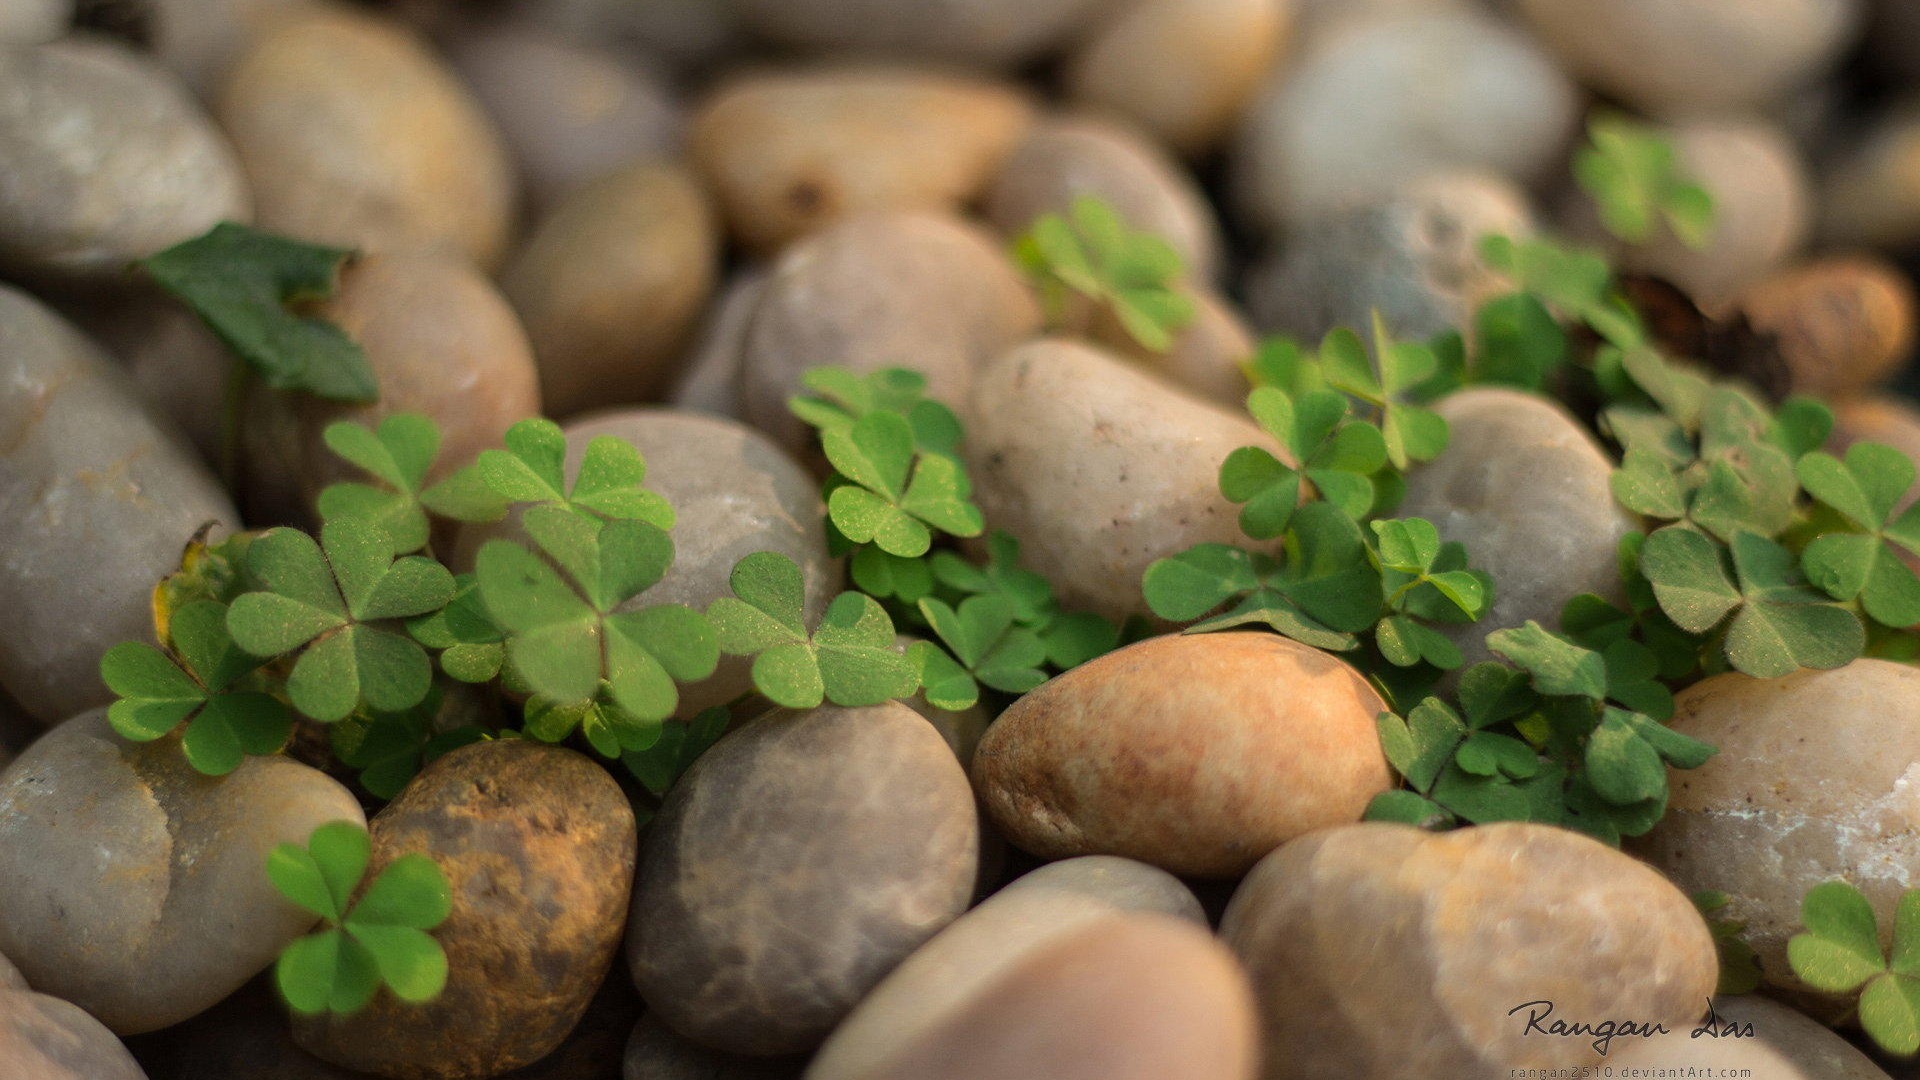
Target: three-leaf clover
[(325, 599), (1865, 490), (388, 749), (1517, 342), (532, 469), (679, 745), (1455, 765), (1411, 433), (1636, 182), (1840, 953), (848, 659), (896, 496), (248, 287), (197, 684), (399, 454), (568, 627), (1777, 624), (1336, 454), (983, 645), (1092, 252), (471, 644), (1424, 579), (379, 939), (1320, 594), (841, 397), (1578, 282)]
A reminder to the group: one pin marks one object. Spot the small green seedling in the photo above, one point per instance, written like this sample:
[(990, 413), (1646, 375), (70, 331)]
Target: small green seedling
[(250, 288), (848, 659), (1634, 177), (1387, 382), (1865, 490), (329, 600), (1840, 953), (983, 645), (1336, 453), (379, 939), (1092, 253), (201, 682), (896, 496), (1425, 581), (842, 397), (397, 456), (608, 485)]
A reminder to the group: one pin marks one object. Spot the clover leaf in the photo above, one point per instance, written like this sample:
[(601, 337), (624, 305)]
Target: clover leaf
[(571, 634), (1090, 251), (532, 469), (250, 288), (882, 575), (1776, 625), (379, 939), (1424, 579), (1323, 591), (1411, 433), (471, 644), (1633, 668), (1557, 666), (1029, 594), (1840, 953), (610, 729), (398, 455), (679, 746), (981, 636), (198, 682), (848, 659), (1739, 964), (388, 749), (1865, 490), (1335, 453), (1578, 282), (1517, 342), (1636, 182), (326, 600), (897, 496), (841, 397)]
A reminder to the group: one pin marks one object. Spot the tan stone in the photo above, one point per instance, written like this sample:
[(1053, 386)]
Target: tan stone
[(1845, 323)]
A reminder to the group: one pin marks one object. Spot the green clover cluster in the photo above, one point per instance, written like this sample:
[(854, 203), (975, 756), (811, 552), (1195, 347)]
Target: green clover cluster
[(1839, 952), (372, 937), (1090, 257), (899, 489)]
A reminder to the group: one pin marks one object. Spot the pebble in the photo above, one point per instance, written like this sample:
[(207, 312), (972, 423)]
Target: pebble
[(995, 33), (1870, 190), (1814, 781), (132, 886), (1528, 490), (1062, 160), (108, 158), (733, 493), (1196, 754), (202, 40), (441, 341), (611, 285), (965, 963), (656, 1053), (757, 932), (1382, 951), (1413, 256), (44, 1038), (568, 113), (709, 381), (1762, 209), (97, 498), (178, 365), (1207, 356), (787, 153), (1692, 57), (1845, 322), (953, 301), (34, 22), (355, 134), (1184, 70), (1098, 468), (1784, 1044), (537, 843), (1387, 100)]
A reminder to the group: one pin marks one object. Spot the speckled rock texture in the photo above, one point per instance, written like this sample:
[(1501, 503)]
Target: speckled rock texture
[(108, 160), (1099, 468), (537, 843), (1526, 488), (1196, 754), (97, 498), (793, 866), (131, 885), (1382, 951), (1815, 779), (789, 153)]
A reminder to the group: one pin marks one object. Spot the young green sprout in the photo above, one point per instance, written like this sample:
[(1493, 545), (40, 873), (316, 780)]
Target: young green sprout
[(1091, 254), (368, 939), (1636, 182)]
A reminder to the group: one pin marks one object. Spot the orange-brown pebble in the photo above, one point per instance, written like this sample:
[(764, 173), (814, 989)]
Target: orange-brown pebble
[(1845, 323), (1196, 754)]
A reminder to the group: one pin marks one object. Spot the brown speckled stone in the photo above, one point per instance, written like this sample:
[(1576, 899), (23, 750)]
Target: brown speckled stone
[(1845, 323), (44, 1038), (1385, 952), (537, 843), (792, 867), (1818, 777), (1196, 754)]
